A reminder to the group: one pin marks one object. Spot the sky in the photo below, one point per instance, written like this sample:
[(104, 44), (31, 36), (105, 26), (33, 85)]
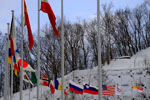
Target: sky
[(73, 10)]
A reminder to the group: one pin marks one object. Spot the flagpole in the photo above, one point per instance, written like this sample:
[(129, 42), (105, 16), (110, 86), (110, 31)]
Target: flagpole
[(99, 51), (22, 28), (11, 91), (38, 78), (62, 52), (6, 67), (29, 91)]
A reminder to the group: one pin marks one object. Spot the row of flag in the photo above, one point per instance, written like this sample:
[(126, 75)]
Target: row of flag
[(137, 88), (49, 83), (46, 8), (86, 88), (13, 53), (73, 87), (79, 89)]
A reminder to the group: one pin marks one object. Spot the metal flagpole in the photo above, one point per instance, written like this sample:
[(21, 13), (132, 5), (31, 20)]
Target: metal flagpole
[(11, 90), (99, 51), (29, 90), (7, 64), (6, 67), (22, 28), (38, 78), (8, 84), (62, 51)]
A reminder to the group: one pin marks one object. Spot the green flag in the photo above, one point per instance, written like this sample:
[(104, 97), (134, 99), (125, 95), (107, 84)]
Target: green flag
[(33, 78)]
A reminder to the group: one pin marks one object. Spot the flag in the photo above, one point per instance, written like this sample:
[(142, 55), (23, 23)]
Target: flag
[(10, 49), (27, 23), (117, 90), (76, 88), (15, 65), (33, 78), (90, 89), (26, 66), (134, 87), (16, 69), (108, 90), (12, 46), (139, 89), (26, 78), (44, 83), (57, 84), (46, 8), (65, 92), (12, 40), (52, 88), (44, 77)]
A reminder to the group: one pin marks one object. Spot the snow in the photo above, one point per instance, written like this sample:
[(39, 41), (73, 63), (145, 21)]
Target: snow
[(140, 60), (124, 72)]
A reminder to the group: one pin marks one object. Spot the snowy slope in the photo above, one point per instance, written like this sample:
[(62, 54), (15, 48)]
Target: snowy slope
[(124, 72), (140, 60)]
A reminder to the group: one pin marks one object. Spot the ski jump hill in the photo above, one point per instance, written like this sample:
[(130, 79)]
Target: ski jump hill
[(124, 71)]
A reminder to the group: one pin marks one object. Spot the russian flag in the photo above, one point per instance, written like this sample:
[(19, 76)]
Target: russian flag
[(90, 89), (76, 88)]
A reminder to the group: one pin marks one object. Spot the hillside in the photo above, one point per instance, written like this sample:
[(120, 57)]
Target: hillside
[(124, 72)]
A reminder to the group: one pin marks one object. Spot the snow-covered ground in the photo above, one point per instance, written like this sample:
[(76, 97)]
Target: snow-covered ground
[(124, 72)]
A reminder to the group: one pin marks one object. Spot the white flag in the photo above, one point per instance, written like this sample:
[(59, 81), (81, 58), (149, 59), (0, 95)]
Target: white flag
[(117, 90)]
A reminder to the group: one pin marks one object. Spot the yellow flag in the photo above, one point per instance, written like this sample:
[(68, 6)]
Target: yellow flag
[(15, 71), (59, 86), (134, 86), (9, 60)]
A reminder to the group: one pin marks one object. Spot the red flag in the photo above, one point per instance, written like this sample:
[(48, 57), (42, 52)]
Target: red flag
[(44, 77), (140, 89), (65, 92), (12, 46), (27, 23), (52, 88), (46, 8), (44, 83), (16, 67)]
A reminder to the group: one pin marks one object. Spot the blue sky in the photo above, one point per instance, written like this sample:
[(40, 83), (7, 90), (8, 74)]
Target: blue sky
[(73, 10)]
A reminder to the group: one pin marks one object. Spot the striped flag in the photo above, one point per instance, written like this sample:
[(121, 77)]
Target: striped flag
[(26, 78), (108, 90), (26, 66), (117, 90), (44, 83), (137, 88), (57, 84), (52, 89), (12, 40), (12, 46), (33, 78), (44, 77), (12, 37), (90, 89), (76, 88)]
